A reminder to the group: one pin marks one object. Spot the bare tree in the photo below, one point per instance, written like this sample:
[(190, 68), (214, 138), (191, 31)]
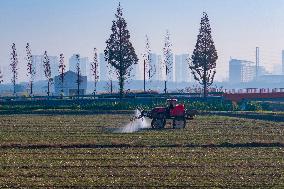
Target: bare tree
[(146, 61), (47, 71), (119, 52), (95, 69), (152, 68), (61, 69), (78, 72), (14, 66), (148, 68), (204, 57), (168, 58), (30, 67)]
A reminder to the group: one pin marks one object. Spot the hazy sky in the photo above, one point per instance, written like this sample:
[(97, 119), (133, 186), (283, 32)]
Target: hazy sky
[(77, 26)]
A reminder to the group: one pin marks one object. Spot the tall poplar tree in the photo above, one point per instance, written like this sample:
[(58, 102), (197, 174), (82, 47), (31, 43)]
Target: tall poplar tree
[(168, 58), (78, 73), (61, 69), (47, 71), (95, 69), (14, 66), (119, 52), (149, 70), (30, 67), (204, 57)]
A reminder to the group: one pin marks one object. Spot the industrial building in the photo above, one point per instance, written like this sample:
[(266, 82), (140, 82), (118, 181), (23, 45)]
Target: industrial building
[(182, 71), (70, 86), (241, 71)]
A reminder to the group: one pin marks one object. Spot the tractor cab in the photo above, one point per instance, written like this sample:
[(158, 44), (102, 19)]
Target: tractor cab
[(171, 103), (175, 109)]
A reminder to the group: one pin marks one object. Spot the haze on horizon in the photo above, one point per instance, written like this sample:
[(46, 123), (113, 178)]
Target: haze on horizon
[(72, 26)]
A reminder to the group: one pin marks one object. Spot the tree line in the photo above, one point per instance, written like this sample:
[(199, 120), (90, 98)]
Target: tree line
[(120, 56), (31, 72)]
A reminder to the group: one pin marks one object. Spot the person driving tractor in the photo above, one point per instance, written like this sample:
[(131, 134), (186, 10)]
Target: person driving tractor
[(171, 103)]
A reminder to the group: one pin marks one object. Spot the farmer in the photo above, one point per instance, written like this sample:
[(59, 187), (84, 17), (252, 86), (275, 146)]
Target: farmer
[(171, 103)]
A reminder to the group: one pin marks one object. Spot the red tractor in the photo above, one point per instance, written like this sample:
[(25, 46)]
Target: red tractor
[(174, 111)]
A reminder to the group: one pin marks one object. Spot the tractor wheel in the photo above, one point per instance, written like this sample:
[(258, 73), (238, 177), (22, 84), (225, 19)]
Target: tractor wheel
[(158, 123), (179, 122)]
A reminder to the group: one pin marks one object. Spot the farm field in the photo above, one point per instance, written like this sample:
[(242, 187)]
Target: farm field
[(87, 151)]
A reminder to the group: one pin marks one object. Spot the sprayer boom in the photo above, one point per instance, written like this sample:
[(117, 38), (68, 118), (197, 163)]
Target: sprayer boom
[(143, 114)]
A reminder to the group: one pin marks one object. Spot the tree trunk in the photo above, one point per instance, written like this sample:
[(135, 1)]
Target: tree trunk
[(14, 90), (165, 89), (31, 92), (205, 89), (62, 85), (48, 88), (78, 86), (121, 81), (111, 87), (95, 89), (14, 83), (121, 85), (204, 81), (144, 76)]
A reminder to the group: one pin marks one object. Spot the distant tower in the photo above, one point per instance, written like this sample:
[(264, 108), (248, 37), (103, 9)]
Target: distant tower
[(282, 62), (256, 62)]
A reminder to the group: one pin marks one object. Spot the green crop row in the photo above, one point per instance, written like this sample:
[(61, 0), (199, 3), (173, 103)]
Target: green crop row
[(211, 105)]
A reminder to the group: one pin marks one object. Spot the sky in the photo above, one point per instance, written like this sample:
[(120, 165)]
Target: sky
[(77, 26)]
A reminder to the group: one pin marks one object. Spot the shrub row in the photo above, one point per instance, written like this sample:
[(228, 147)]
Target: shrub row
[(201, 104)]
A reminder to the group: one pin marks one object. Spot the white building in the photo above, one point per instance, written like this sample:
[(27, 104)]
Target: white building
[(157, 64), (160, 74), (162, 69), (37, 61), (241, 71), (182, 71), (82, 64), (103, 68), (171, 74)]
